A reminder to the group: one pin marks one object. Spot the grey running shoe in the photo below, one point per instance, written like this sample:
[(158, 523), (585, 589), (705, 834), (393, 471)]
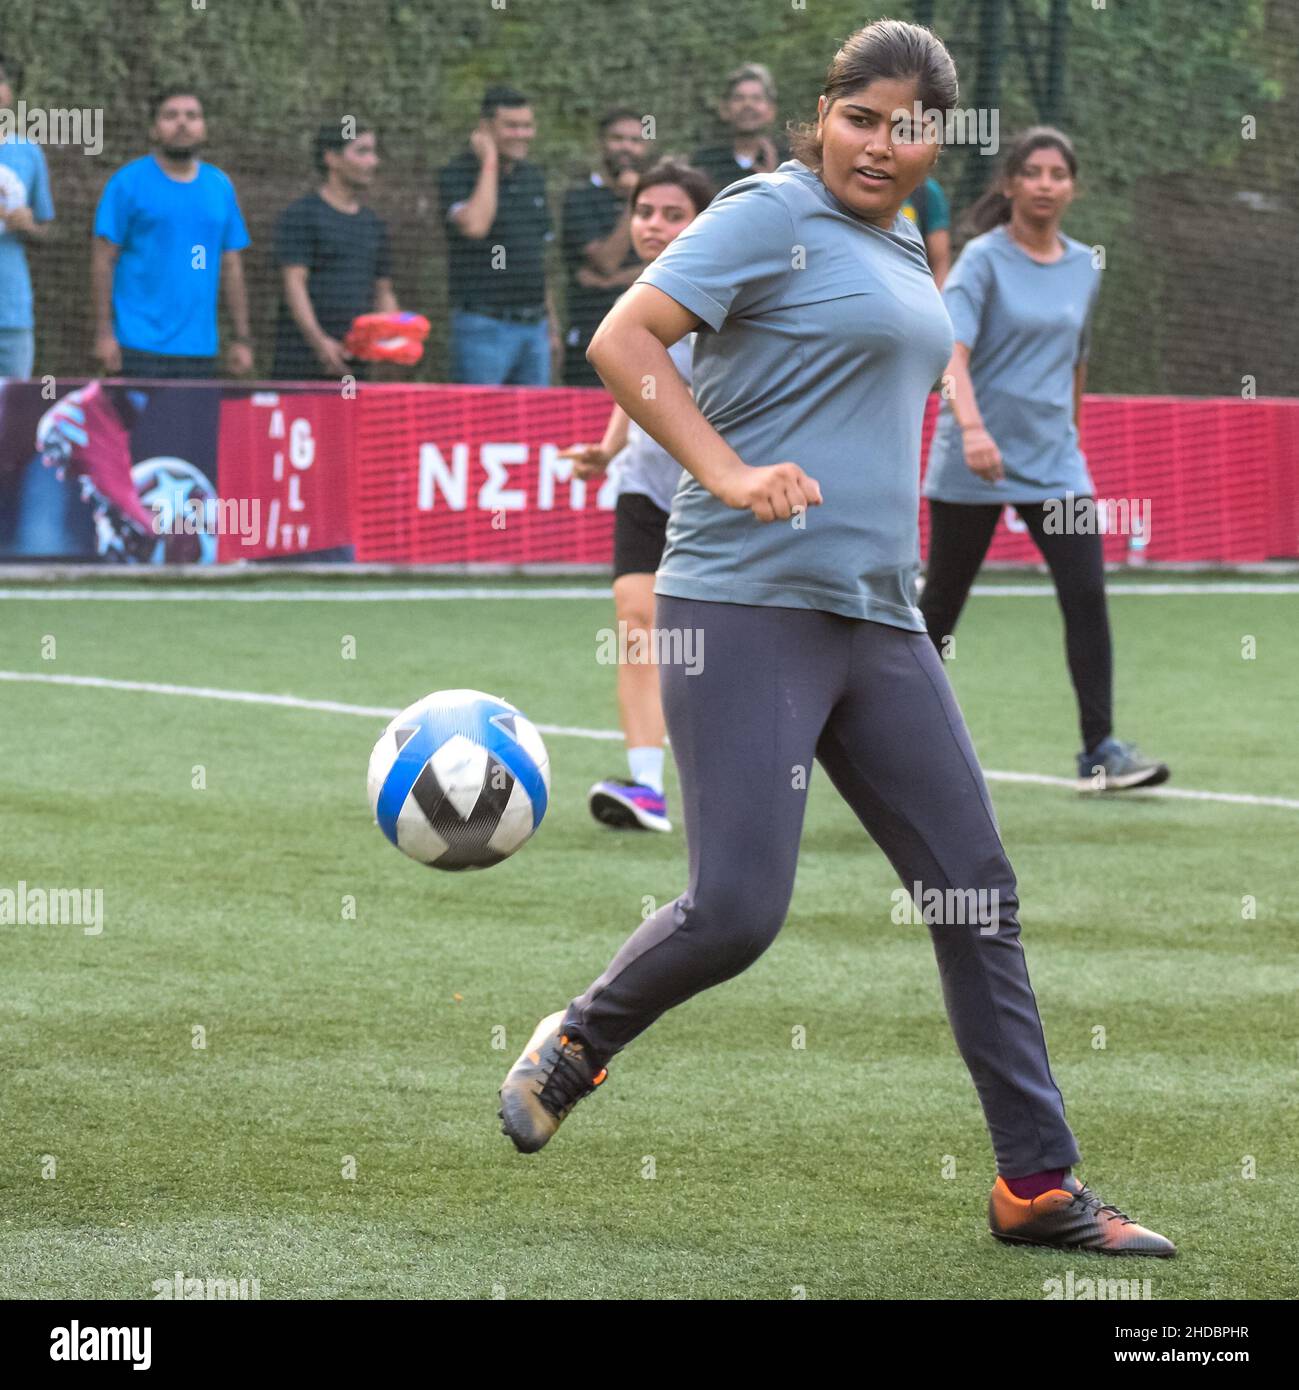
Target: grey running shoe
[(1114, 766)]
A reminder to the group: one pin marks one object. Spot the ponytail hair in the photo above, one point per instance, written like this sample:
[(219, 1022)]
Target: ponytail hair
[(888, 48), (992, 208)]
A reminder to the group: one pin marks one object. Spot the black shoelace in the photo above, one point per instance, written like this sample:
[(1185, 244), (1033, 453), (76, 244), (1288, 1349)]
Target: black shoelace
[(1092, 1202), (567, 1083)]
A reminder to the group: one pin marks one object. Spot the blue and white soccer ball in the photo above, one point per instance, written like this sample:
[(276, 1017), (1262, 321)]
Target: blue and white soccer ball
[(459, 780)]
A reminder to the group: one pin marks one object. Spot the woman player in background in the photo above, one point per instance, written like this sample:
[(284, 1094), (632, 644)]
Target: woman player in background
[(1021, 299), (665, 201), (824, 334)]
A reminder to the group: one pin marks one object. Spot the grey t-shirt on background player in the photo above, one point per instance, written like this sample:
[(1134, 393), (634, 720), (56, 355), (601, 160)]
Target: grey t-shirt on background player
[(644, 465), (824, 336), (1027, 325)]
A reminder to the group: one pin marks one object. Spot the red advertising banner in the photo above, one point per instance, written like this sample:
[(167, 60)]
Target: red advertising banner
[(458, 474), (287, 456), (462, 474), (1215, 481), (164, 473)]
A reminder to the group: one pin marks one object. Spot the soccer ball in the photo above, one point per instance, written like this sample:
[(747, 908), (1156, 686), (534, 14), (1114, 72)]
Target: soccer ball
[(459, 780)]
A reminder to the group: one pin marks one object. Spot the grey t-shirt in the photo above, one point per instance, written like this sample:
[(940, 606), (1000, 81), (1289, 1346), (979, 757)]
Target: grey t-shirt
[(824, 335), (644, 465), (1027, 325)]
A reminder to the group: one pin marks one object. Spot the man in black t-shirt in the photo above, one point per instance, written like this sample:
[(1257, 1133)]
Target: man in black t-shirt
[(748, 109), (504, 330), (334, 259), (598, 255)]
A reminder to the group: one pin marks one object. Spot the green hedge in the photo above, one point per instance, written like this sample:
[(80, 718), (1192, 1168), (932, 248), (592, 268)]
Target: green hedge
[(1156, 94)]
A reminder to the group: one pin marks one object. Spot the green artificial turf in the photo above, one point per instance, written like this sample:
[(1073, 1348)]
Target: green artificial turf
[(719, 1160)]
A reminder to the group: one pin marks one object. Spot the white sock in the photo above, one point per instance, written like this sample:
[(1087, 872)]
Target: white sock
[(646, 767)]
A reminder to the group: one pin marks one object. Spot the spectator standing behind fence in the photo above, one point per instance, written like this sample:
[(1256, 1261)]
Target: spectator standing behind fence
[(168, 231), (504, 330), (334, 260), (26, 211), (598, 253), (927, 207), (748, 110)]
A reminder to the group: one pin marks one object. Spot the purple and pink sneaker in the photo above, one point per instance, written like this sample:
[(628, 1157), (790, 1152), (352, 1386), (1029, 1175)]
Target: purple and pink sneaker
[(626, 805)]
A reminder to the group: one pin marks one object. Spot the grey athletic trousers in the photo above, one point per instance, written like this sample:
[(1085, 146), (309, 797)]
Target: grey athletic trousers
[(777, 687)]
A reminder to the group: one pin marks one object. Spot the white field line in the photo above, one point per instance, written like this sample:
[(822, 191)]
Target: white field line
[(153, 594), (256, 697)]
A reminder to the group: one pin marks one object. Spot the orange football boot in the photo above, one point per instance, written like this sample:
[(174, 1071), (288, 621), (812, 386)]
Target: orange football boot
[(1070, 1217)]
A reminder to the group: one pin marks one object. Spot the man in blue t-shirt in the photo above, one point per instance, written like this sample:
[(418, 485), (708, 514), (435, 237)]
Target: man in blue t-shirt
[(168, 232), (26, 211)]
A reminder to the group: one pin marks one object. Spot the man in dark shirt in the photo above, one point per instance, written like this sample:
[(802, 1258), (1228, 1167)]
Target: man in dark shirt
[(598, 253), (334, 260), (504, 330), (748, 109)]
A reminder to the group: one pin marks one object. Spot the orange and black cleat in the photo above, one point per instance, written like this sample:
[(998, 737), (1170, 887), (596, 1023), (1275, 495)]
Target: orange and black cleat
[(547, 1081), (1070, 1217)]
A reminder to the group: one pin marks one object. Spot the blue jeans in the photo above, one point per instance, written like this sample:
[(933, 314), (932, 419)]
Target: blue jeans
[(491, 352), (17, 352)]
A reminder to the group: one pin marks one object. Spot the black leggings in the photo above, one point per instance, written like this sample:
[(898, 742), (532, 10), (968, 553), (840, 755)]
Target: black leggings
[(959, 537)]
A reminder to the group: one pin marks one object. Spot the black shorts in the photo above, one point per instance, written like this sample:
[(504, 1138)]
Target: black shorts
[(640, 531)]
